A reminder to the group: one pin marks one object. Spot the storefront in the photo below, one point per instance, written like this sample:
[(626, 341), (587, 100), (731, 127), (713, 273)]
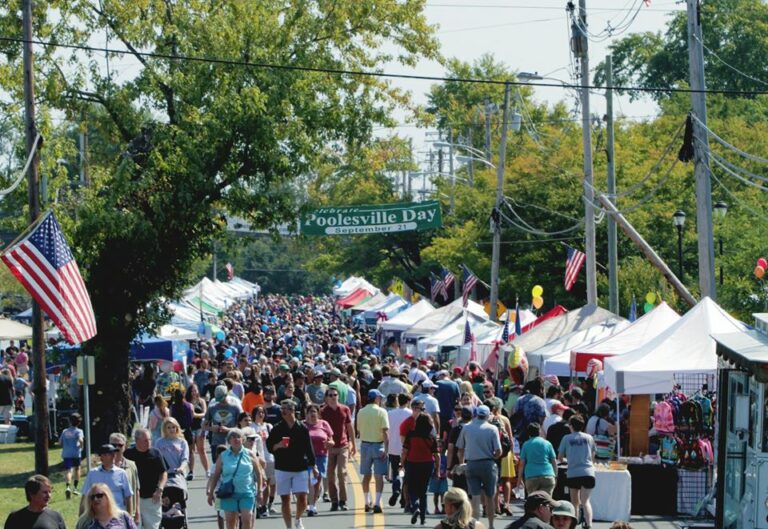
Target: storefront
[(742, 452)]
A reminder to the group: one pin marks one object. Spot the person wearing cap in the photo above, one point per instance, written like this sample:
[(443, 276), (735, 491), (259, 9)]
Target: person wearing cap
[(564, 516), (316, 389), (397, 416), (373, 430), (431, 404), (447, 395), (391, 384), (556, 415), (220, 417), (152, 477), (538, 512), (113, 477), (479, 447), (339, 384)]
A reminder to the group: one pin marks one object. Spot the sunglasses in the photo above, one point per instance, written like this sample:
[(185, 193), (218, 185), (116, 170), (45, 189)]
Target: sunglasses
[(118, 445), (97, 496)]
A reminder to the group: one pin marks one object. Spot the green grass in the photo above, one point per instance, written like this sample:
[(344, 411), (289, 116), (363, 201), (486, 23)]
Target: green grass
[(17, 464)]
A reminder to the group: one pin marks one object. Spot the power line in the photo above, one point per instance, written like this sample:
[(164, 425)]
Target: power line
[(728, 65), (551, 8), (383, 75)]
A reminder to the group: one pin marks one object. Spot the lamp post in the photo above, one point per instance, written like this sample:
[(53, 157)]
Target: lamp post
[(679, 219), (720, 209)]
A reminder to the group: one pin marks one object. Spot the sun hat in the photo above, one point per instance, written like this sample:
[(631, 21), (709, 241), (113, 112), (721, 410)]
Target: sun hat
[(565, 508)]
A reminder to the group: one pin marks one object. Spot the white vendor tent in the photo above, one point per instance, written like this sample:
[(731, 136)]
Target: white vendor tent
[(453, 334), (13, 330), (555, 358), (685, 347), (639, 332), (408, 317), (172, 332), (391, 306), (351, 284), (550, 330), (526, 317), (369, 303), (443, 317)]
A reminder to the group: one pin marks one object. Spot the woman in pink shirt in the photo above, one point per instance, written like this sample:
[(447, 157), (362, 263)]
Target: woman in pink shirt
[(321, 436)]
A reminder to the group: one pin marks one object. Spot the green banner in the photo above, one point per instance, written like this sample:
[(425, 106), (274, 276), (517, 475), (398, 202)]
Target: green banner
[(380, 218)]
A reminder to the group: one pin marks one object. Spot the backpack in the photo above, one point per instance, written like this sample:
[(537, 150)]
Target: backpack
[(506, 441), (663, 417), (669, 450), (691, 415), (691, 455)]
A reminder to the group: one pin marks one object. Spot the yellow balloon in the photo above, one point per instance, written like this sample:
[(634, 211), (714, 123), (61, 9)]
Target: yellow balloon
[(538, 302), (650, 297), (537, 291)]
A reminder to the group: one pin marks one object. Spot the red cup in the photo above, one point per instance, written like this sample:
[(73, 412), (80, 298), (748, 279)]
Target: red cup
[(286, 441)]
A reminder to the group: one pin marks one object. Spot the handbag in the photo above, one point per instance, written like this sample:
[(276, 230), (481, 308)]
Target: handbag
[(226, 489), (604, 446)]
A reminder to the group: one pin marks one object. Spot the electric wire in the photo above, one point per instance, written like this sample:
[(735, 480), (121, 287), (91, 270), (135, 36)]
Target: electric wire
[(736, 199), (728, 65), (737, 176), (522, 225), (16, 183), (724, 143), (736, 168), (383, 75)]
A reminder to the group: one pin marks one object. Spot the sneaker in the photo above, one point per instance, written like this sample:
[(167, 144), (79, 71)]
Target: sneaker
[(343, 506), (377, 509), (368, 507), (190, 476), (68, 493), (326, 499), (311, 511), (272, 509), (76, 492), (393, 499), (334, 506), (298, 524), (414, 516)]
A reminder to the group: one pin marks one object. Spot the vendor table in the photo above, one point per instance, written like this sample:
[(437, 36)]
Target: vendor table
[(611, 498)]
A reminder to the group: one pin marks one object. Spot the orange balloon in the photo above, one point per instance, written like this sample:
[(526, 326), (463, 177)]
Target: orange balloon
[(759, 272), (538, 302)]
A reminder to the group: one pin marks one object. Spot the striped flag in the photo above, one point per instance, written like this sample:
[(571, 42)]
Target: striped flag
[(573, 265), (437, 287), (447, 282), (518, 323), (45, 266), (230, 271), (469, 280), (470, 339), (467, 332)]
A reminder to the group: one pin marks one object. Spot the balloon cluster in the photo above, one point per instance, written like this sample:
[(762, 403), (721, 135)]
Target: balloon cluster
[(536, 292), (650, 302), (762, 264)]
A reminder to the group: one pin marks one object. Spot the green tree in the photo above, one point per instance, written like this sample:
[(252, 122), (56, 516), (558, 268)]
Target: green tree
[(217, 130)]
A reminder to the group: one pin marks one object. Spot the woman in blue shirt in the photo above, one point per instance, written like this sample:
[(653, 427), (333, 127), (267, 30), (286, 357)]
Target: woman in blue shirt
[(538, 462), (235, 464)]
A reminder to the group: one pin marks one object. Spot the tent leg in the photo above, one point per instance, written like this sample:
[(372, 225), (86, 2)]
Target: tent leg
[(618, 426)]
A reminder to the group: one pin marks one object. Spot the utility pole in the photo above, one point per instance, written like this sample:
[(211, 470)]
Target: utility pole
[(83, 149), (471, 164), (450, 168), (496, 216), (38, 345), (586, 128), (613, 253), (488, 108), (701, 154)]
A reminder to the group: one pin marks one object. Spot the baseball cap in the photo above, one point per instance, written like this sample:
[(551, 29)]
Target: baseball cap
[(442, 373), (107, 449), (284, 367), (374, 394), (336, 372), (427, 384), (483, 411), (565, 508), (220, 392), (317, 374), (537, 498)]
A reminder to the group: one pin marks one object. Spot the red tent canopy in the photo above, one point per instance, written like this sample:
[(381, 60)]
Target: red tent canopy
[(354, 298)]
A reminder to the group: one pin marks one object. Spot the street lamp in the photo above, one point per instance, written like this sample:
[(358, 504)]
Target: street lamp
[(679, 219), (721, 208)]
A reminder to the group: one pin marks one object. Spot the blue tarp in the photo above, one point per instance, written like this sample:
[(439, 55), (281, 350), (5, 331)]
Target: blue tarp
[(153, 348)]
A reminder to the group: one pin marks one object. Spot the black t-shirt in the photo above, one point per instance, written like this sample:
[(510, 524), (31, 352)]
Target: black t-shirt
[(272, 414), (150, 465), (556, 432), (6, 390), (26, 519), (453, 437)]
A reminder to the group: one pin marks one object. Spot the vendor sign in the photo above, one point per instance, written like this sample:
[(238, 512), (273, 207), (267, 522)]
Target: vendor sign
[(380, 218)]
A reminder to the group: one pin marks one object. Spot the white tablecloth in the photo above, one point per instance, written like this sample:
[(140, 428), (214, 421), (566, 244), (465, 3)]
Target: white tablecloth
[(612, 496)]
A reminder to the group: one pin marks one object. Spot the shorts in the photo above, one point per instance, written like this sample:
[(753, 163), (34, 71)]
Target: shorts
[(373, 457), (198, 432), (582, 482), (6, 412), (322, 465), (238, 502), (482, 477), (438, 485), (291, 482), (72, 462)]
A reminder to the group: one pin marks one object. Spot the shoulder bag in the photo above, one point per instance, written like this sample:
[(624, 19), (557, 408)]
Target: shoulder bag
[(227, 488)]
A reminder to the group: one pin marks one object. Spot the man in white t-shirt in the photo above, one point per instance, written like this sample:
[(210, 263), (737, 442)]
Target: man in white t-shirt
[(431, 405), (555, 416), (417, 375), (396, 417)]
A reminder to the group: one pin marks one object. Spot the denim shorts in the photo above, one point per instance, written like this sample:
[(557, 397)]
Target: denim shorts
[(322, 465), (373, 456), (482, 476)]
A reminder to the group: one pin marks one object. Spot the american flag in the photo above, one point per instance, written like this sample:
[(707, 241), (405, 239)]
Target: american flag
[(469, 281), (447, 281), (470, 339), (230, 271), (45, 266), (437, 287), (573, 265)]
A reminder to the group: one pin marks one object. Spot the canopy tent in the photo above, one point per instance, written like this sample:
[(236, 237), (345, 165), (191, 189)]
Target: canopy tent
[(354, 298), (351, 284), (149, 348), (252, 288), (526, 317), (443, 317), (453, 334), (13, 330), (555, 358), (638, 333), (373, 301), (487, 336), (392, 306), (553, 328), (408, 317), (172, 332), (684, 347)]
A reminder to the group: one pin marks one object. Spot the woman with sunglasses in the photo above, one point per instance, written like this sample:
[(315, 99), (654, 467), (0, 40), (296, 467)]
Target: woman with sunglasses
[(101, 511), (175, 451), (235, 464)]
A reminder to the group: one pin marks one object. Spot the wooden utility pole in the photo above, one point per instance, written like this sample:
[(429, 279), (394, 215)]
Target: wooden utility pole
[(38, 345), (613, 253), (701, 153), (496, 217)]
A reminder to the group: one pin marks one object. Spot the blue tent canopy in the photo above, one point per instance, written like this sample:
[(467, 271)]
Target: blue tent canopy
[(154, 348)]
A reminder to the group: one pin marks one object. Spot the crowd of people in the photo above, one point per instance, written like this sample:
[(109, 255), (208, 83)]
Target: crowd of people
[(278, 404)]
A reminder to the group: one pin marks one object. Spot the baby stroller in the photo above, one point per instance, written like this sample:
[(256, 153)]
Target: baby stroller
[(174, 508)]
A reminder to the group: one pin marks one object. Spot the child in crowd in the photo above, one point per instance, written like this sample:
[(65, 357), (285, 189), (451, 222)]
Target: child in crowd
[(438, 483), (71, 440)]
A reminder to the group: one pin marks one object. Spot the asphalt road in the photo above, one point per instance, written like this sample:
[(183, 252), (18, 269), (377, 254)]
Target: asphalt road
[(201, 516)]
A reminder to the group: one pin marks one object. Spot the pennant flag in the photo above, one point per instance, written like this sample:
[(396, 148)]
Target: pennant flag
[(45, 266), (230, 271), (633, 310), (469, 280), (573, 264), (518, 324)]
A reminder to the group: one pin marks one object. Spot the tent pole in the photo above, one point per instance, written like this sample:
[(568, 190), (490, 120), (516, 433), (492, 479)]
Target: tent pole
[(618, 427)]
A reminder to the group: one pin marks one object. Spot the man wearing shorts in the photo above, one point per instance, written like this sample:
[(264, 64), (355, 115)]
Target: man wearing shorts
[(479, 447), (373, 427), (72, 440), (289, 442)]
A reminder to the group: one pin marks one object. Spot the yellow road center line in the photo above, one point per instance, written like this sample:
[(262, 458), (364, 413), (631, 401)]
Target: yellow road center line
[(356, 485)]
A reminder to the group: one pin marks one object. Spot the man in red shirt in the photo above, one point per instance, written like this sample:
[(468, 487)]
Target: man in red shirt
[(339, 417)]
